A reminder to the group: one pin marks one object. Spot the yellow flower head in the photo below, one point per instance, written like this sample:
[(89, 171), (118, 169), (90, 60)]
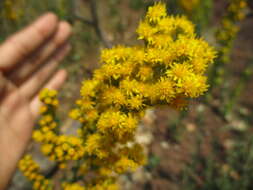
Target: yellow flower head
[(178, 72), (89, 88), (164, 89), (156, 12), (194, 85), (124, 165), (73, 186)]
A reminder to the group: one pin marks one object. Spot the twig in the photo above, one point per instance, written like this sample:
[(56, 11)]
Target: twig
[(82, 19), (216, 111), (93, 10), (239, 87), (52, 172), (250, 15), (94, 22)]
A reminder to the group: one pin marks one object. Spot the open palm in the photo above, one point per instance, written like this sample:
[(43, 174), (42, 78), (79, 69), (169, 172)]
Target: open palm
[(28, 61)]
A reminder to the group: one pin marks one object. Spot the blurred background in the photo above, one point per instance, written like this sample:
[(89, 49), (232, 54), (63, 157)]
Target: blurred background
[(208, 146)]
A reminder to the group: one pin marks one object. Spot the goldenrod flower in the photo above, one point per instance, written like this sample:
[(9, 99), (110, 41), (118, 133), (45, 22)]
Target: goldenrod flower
[(156, 13), (178, 72), (164, 89), (194, 85), (31, 170)]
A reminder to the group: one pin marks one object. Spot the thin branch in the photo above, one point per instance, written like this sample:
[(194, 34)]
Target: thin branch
[(52, 172), (94, 22), (250, 15), (77, 16), (94, 15), (216, 111), (82, 19)]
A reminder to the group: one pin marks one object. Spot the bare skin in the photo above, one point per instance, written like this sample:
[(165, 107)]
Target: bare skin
[(28, 63)]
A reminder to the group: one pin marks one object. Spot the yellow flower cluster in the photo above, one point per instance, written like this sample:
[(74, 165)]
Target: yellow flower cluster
[(225, 37), (226, 34), (49, 98), (30, 169), (74, 186), (100, 186), (167, 70), (60, 148), (56, 147), (10, 10), (236, 9), (189, 5)]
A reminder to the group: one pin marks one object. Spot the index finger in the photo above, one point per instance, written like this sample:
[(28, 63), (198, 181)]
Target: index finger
[(20, 45)]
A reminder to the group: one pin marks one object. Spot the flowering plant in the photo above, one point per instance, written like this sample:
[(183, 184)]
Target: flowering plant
[(167, 69)]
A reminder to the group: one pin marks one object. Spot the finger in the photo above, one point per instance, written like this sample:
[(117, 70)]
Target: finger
[(26, 41), (55, 83), (2, 84), (5, 86), (19, 75), (34, 84)]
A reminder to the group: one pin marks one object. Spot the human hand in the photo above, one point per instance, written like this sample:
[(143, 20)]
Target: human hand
[(28, 60)]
